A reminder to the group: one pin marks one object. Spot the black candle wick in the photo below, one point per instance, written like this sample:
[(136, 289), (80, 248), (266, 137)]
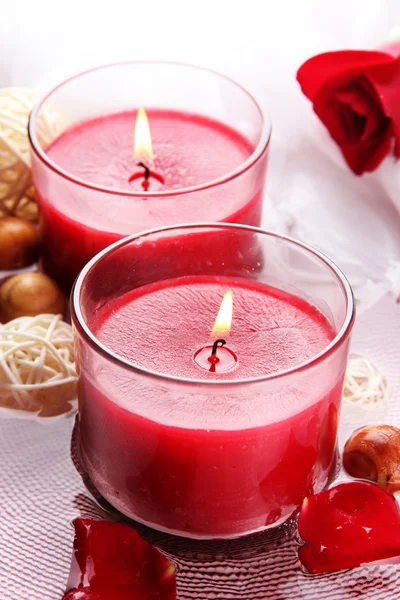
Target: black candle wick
[(146, 176), (215, 346), (146, 170)]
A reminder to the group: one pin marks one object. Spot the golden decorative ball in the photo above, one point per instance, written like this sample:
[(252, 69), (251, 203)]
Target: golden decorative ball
[(30, 294), (373, 453), (19, 243)]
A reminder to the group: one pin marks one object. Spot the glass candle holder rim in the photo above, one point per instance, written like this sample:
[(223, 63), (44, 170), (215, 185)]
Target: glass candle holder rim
[(337, 341), (257, 153)]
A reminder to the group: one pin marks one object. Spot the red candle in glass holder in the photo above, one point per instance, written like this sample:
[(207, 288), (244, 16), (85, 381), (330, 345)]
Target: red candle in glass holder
[(208, 436), (209, 159)]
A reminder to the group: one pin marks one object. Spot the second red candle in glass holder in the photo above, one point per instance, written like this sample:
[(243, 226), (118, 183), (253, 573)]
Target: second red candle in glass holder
[(210, 378)]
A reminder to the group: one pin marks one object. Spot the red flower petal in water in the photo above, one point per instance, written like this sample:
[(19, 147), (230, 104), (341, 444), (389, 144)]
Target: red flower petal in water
[(356, 94), (112, 562), (348, 525)]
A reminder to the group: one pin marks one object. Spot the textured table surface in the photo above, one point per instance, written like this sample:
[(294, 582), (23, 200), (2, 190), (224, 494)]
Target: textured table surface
[(41, 492)]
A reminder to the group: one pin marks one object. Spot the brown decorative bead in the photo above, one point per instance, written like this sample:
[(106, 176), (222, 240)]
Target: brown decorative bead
[(19, 243), (373, 453), (30, 294)]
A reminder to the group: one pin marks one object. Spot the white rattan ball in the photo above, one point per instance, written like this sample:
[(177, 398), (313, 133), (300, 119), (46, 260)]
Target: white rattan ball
[(37, 364), (366, 392), (17, 195)]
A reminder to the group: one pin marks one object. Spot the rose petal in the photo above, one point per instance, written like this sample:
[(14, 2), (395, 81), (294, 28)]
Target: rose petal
[(360, 96), (361, 155), (342, 123), (352, 110), (374, 125), (386, 83), (352, 96), (113, 556), (325, 69), (353, 123), (367, 156), (348, 525)]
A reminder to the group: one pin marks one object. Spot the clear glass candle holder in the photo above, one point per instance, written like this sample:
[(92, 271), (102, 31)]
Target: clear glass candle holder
[(80, 217), (207, 457)]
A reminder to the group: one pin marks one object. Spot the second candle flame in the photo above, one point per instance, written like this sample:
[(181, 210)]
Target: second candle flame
[(143, 147), (223, 322)]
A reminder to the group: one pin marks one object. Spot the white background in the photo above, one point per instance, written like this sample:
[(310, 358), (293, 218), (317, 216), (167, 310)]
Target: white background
[(260, 43)]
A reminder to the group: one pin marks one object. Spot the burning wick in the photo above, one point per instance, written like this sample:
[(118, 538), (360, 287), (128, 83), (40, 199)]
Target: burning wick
[(213, 359), (146, 176), (146, 170), (206, 357), (215, 347), (143, 151)]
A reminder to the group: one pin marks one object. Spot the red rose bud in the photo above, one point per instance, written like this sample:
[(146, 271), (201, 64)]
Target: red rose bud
[(356, 94), (348, 525), (112, 562)]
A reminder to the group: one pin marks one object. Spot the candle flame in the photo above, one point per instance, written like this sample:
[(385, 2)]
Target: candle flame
[(223, 322), (143, 147)]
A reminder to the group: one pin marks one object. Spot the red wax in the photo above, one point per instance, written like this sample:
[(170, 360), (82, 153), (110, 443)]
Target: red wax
[(111, 562), (202, 460), (351, 524), (161, 326), (190, 150)]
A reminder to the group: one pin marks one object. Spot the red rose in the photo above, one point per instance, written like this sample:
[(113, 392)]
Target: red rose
[(356, 94)]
